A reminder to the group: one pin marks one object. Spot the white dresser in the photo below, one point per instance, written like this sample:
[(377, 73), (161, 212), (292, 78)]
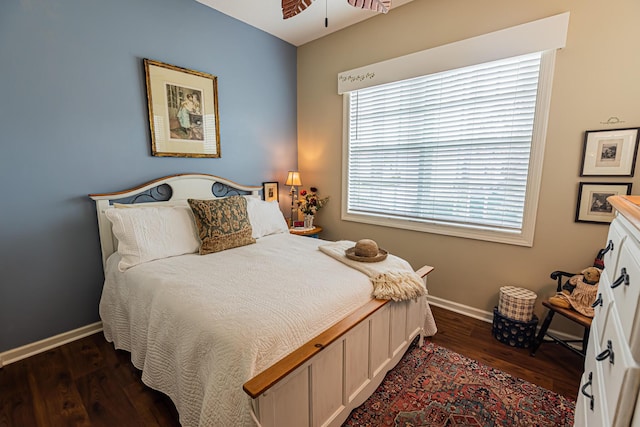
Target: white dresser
[(608, 394)]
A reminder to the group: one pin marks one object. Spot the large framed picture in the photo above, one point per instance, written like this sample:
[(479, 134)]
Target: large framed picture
[(270, 191), (592, 201), (183, 111), (610, 152)]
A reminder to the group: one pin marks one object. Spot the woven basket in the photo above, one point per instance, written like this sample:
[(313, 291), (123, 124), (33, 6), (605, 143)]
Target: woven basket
[(517, 303), (512, 332)]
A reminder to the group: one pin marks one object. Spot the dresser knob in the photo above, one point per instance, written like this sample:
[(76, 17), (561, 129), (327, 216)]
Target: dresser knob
[(584, 390), (624, 278), (607, 354), (598, 301)]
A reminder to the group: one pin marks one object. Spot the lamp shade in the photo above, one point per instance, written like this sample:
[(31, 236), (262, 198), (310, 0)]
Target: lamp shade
[(293, 179)]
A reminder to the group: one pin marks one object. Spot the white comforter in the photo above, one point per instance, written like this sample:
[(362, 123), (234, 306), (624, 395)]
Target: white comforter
[(200, 326)]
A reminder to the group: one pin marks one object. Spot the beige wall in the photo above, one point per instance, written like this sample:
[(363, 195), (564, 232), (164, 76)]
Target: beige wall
[(597, 76)]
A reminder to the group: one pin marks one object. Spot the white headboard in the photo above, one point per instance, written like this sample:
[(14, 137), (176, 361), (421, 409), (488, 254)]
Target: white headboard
[(167, 191)]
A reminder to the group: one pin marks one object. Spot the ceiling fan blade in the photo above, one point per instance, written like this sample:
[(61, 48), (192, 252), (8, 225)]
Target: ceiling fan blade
[(375, 5), (293, 7)]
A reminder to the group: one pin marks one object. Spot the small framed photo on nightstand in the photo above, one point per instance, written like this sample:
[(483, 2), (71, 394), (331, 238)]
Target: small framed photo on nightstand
[(270, 191)]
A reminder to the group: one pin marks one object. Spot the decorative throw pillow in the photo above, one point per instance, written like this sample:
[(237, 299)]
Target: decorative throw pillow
[(222, 223), (149, 233), (266, 218)]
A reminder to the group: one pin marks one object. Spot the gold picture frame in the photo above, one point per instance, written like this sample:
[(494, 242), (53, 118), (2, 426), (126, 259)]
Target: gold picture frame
[(183, 111)]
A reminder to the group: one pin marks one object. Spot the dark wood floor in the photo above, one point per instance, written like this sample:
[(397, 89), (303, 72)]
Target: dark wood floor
[(88, 383)]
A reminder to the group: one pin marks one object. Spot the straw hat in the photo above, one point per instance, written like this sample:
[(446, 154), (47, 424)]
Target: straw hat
[(366, 250)]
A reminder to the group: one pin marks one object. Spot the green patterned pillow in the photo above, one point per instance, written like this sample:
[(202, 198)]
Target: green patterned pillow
[(222, 223)]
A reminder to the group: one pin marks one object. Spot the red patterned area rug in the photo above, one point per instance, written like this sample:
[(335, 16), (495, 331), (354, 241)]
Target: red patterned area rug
[(433, 386)]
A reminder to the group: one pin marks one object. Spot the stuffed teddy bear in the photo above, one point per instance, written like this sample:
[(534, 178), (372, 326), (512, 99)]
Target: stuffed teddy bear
[(579, 292)]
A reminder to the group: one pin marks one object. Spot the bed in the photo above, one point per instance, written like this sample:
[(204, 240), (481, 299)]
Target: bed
[(272, 333)]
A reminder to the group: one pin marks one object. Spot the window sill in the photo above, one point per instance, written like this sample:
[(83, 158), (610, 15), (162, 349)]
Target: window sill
[(522, 238)]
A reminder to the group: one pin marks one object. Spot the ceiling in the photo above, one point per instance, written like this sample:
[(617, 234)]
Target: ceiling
[(302, 28)]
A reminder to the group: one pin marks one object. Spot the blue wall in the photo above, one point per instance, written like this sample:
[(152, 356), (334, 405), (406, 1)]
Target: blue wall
[(73, 115)]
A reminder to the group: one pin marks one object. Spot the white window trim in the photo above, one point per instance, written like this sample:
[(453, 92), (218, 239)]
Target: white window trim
[(523, 238), (537, 36)]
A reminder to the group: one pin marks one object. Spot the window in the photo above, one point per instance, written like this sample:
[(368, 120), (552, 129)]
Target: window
[(450, 140), (454, 152)]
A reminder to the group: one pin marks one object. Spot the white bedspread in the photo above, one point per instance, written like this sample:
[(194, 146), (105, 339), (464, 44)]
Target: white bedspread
[(200, 326)]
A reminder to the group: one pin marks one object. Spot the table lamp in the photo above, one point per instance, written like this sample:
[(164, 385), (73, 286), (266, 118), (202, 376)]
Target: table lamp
[(293, 179)]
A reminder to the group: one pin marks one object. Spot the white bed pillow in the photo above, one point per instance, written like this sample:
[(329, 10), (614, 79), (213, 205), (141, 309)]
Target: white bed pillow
[(153, 233), (265, 218)]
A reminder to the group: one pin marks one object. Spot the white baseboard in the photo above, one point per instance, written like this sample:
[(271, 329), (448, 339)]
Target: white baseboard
[(41, 346), (465, 310), (485, 316)]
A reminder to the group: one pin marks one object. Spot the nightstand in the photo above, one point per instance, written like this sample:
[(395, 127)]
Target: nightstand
[(312, 232)]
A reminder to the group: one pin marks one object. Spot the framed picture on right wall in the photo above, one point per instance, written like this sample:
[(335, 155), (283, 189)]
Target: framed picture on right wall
[(592, 200), (610, 152)]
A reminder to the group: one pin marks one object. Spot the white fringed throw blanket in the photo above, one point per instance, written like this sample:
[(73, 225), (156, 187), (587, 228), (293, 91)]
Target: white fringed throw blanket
[(392, 278)]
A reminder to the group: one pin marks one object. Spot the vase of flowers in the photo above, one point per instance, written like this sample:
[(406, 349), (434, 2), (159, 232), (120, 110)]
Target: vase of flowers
[(309, 203)]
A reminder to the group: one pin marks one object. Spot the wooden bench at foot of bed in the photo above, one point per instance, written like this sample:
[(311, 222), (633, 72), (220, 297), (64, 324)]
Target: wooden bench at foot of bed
[(320, 383)]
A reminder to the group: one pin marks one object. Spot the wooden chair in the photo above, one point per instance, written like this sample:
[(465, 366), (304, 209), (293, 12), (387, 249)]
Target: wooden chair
[(570, 314)]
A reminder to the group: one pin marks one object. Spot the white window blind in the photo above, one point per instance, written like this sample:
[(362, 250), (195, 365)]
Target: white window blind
[(451, 147)]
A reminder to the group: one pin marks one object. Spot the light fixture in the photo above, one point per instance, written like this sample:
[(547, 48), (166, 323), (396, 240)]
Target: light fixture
[(291, 8), (293, 179)]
